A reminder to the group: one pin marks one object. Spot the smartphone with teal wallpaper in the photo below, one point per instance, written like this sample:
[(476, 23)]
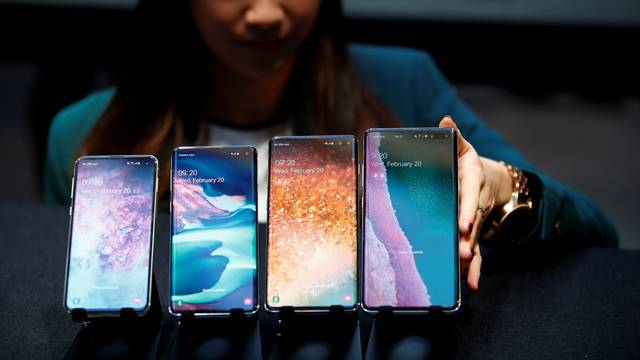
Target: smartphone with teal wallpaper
[(410, 222), (213, 231)]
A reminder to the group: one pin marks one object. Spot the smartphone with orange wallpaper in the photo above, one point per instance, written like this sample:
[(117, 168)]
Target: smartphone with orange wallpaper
[(312, 244)]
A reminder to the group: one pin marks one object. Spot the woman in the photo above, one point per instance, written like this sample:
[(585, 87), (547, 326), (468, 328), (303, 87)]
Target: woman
[(216, 72)]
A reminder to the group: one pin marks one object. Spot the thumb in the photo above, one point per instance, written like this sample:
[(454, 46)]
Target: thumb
[(448, 122)]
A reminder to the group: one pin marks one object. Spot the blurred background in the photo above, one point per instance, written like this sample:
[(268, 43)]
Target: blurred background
[(559, 79)]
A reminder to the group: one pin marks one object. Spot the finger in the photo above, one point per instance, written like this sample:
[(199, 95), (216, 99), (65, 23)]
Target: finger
[(473, 275), (471, 183), (464, 267), (469, 241), (471, 178), (448, 122), (464, 250), (470, 189)]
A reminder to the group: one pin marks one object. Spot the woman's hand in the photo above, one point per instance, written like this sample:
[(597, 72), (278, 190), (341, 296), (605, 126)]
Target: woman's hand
[(485, 184)]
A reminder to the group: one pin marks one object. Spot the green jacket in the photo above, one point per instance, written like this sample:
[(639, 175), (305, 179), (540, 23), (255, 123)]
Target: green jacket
[(410, 84)]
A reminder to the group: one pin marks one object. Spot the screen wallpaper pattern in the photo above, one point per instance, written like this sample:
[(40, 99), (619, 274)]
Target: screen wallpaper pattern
[(312, 250), (111, 234), (410, 244), (214, 230)]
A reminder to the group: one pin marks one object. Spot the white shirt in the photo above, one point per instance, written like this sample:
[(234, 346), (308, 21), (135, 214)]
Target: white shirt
[(258, 138)]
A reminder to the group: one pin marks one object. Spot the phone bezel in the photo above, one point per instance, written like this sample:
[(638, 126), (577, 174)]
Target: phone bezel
[(113, 312), (314, 309), (213, 313), (400, 309)]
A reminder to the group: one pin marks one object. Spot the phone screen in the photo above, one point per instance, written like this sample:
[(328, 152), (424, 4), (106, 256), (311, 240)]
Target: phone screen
[(312, 227), (214, 229), (410, 219), (110, 248)]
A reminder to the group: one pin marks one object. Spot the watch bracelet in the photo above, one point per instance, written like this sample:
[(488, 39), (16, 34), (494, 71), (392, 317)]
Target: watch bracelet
[(520, 198)]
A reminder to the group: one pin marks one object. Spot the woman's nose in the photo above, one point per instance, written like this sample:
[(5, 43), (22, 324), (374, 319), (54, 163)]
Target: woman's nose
[(265, 17)]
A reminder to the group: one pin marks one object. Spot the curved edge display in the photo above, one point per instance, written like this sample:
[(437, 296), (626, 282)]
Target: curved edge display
[(206, 212), (315, 163), (398, 205)]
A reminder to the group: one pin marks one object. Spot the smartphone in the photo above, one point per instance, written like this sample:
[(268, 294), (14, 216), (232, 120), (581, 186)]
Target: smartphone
[(312, 249), (213, 230), (410, 225), (110, 252)]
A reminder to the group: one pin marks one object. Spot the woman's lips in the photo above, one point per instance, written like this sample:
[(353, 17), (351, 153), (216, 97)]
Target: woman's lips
[(263, 47)]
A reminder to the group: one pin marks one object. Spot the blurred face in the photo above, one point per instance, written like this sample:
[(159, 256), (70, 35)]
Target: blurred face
[(254, 38)]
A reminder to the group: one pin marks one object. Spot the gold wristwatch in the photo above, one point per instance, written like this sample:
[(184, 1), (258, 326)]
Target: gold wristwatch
[(513, 221)]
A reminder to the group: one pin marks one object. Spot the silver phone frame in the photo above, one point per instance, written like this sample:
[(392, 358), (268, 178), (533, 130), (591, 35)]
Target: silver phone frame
[(404, 310), (313, 310), (115, 313), (213, 314)]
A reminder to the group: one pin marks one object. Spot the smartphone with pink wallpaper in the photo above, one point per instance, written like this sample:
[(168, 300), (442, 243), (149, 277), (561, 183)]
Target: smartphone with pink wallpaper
[(110, 248)]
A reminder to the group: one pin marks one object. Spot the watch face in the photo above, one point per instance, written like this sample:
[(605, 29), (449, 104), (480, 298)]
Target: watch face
[(517, 225)]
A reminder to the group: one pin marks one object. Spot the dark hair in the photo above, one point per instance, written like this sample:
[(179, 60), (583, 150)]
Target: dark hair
[(159, 101)]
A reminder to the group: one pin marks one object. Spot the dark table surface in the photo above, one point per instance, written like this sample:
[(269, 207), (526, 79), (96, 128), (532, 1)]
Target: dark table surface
[(584, 304)]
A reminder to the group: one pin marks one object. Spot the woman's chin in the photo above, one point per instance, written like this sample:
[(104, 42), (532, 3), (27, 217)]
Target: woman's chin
[(259, 69)]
